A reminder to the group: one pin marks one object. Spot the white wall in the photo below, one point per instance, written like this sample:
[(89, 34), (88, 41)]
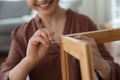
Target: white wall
[(98, 10), (102, 11)]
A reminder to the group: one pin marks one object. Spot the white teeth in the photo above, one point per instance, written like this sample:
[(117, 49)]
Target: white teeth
[(44, 5)]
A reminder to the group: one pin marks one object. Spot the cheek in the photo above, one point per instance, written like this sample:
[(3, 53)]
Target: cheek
[(31, 3)]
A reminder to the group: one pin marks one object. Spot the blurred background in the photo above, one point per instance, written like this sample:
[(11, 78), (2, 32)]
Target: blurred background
[(105, 13)]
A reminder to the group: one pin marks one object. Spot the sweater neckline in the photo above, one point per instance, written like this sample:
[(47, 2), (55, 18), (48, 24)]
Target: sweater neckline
[(68, 14)]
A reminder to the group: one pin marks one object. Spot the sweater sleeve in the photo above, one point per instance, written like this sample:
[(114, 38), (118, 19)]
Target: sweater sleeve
[(115, 68), (14, 57)]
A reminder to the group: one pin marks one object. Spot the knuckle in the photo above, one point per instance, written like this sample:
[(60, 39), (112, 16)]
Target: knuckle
[(31, 39)]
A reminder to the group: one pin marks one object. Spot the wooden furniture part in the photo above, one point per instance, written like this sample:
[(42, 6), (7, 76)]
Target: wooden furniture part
[(82, 51)]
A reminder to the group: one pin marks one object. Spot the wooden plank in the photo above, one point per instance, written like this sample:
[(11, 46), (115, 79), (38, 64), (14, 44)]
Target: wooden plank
[(73, 46), (64, 63), (101, 36), (80, 50), (86, 64)]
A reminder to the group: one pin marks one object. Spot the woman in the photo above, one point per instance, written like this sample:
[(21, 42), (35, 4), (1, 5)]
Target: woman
[(33, 53)]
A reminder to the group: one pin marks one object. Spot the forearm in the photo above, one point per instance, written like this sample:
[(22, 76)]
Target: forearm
[(21, 70), (105, 70)]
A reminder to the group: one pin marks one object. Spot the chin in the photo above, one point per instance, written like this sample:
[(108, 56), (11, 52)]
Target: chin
[(47, 7)]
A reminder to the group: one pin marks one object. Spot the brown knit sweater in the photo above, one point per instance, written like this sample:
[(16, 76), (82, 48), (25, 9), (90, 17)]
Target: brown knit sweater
[(49, 68)]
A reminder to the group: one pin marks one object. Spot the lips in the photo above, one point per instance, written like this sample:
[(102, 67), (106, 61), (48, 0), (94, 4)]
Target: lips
[(44, 4)]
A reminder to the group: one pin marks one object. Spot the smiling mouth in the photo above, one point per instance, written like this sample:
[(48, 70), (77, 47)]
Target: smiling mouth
[(44, 4)]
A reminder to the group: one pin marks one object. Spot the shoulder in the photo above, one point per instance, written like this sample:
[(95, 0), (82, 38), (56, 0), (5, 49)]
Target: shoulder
[(81, 21), (24, 31), (80, 17)]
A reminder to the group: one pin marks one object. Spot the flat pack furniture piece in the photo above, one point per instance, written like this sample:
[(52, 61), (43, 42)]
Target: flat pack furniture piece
[(82, 51)]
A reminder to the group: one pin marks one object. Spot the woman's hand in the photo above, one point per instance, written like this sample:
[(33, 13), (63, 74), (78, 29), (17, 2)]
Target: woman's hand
[(36, 50), (37, 46), (100, 64)]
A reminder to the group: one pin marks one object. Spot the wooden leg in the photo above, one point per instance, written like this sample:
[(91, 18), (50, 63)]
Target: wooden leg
[(64, 64)]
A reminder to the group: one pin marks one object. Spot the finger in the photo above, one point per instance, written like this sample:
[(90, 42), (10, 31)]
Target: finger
[(48, 34), (87, 38), (37, 33), (83, 37), (79, 37), (39, 40), (41, 33), (44, 34)]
